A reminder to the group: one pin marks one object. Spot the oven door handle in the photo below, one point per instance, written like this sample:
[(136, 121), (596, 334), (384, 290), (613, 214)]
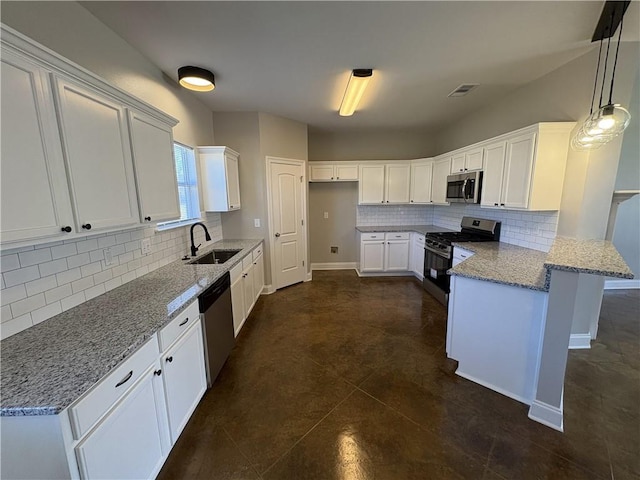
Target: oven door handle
[(436, 252)]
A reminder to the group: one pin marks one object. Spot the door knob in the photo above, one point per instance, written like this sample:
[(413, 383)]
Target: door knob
[(277, 235)]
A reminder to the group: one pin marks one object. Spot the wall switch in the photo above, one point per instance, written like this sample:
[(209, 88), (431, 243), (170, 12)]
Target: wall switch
[(145, 244), (256, 222), (334, 249), (326, 214), (108, 258)]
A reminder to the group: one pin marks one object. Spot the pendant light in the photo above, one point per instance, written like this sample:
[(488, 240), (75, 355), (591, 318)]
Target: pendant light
[(196, 78), (609, 120)]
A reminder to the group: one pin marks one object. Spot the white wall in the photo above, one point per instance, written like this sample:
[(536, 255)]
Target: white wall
[(41, 281)]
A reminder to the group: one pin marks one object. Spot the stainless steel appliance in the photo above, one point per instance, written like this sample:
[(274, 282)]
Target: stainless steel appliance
[(438, 252), (464, 187), (215, 306)]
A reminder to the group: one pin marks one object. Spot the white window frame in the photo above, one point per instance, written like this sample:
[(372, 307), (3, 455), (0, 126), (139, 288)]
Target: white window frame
[(191, 174)]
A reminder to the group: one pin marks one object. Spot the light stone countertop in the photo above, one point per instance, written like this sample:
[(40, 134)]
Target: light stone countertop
[(503, 263), (47, 367), (597, 257), (423, 229)]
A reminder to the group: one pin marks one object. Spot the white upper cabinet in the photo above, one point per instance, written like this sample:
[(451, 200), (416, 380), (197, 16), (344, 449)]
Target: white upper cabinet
[(35, 198), (467, 160), (333, 172), (525, 170), (220, 178), (155, 169), (94, 133), (441, 169), (382, 184), (457, 163), (421, 174)]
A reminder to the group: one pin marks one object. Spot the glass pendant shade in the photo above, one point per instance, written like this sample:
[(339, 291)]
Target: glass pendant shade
[(609, 121)]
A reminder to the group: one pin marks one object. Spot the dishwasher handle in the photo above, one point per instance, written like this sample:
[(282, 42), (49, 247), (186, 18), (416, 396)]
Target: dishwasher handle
[(215, 291)]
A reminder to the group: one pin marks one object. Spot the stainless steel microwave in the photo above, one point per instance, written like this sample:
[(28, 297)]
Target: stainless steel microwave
[(464, 187)]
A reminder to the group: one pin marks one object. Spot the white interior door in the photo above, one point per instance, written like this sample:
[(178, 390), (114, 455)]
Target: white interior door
[(287, 228)]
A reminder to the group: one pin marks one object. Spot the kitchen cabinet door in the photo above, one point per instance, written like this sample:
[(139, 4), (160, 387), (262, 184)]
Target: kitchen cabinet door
[(397, 256), (457, 163), (237, 302), (220, 179), (372, 256), (518, 169), (258, 276), (397, 180), (493, 174), (35, 196), (128, 443), (417, 254), (473, 159), (155, 170), (346, 172), (371, 187), (321, 172), (185, 379), (98, 155), (421, 174), (249, 297), (441, 170)]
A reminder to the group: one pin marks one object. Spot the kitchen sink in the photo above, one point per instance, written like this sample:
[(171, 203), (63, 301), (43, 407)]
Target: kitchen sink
[(216, 256)]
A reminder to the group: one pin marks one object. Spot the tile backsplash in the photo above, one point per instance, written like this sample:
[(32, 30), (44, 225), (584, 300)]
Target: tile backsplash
[(535, 230), (380, 215), (41, 281)]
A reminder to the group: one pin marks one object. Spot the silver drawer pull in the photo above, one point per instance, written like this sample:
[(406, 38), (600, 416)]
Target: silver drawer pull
[(185, 321), (125, 379)]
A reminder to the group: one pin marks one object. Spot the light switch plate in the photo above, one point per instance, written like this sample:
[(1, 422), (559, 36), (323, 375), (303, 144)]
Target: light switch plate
[(256, 222), (108, 258), (145, 244), (326, 214)]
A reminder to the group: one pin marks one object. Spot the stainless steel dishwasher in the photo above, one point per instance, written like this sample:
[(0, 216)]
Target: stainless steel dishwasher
[(215, 306)]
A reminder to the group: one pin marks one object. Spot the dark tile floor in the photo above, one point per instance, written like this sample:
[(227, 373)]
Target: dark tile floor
[(346, 377)]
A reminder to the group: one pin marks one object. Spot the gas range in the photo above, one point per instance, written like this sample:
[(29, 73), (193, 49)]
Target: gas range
[(473, 230), (438, 252)]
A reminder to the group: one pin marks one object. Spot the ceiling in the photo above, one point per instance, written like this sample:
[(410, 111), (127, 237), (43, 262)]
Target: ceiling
[(293, 59)]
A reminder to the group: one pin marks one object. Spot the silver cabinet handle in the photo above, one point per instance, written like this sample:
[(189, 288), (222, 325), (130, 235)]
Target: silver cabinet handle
[(125, 379), (277, 235)]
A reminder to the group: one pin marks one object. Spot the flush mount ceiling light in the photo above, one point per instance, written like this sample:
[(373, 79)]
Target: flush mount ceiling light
[(609, 120), (355, 88), (196, 78)]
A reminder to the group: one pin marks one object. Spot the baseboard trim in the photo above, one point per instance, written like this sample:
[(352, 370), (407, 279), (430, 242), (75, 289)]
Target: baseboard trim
[(491, 386), (547, 415), (579, 341), (384, 274), (621, 284), (309, 277), (334, 266), (268, 290)]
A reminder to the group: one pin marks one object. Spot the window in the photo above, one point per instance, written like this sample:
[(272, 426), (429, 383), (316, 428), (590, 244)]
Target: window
[(187, 185)]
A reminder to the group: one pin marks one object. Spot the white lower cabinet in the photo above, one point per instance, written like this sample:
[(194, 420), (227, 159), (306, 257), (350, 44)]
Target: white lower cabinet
[(384, 252), (460, 255), (417, 254), (247, 282), (131, 441)]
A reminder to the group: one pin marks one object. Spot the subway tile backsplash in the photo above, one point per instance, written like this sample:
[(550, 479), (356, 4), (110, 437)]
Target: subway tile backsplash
[(535, 230), (41, 281)]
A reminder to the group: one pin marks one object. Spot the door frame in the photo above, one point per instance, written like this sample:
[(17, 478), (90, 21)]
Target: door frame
[(304, 191)]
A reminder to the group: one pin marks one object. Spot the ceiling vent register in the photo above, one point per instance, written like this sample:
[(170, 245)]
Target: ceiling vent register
[(463, 89)]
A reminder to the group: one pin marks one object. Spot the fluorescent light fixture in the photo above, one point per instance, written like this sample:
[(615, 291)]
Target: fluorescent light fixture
[(196, 78), (355, 88)]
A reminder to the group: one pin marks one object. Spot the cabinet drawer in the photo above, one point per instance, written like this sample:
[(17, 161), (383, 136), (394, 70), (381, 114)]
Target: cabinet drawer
[(372, 236), (93, 405), (247, 262), (257, 252), (179, 325), (397, 235)]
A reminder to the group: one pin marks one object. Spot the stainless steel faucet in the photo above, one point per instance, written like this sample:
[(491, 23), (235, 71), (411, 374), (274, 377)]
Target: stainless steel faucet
[(194, 249)]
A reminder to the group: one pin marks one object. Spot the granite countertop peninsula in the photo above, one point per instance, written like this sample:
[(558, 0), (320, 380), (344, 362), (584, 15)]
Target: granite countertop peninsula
[(597, 257), (503, 263), (47, 367), (423, 229)]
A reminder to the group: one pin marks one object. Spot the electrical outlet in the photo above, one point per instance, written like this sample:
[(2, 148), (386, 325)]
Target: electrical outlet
[(108, 258), (334, 249), (145, 244), (256, 222), (326, 214)]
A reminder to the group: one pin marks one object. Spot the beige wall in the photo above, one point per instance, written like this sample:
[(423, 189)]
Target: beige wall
[(370, 145), (339, 200), (254, 136), (70, 30)]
